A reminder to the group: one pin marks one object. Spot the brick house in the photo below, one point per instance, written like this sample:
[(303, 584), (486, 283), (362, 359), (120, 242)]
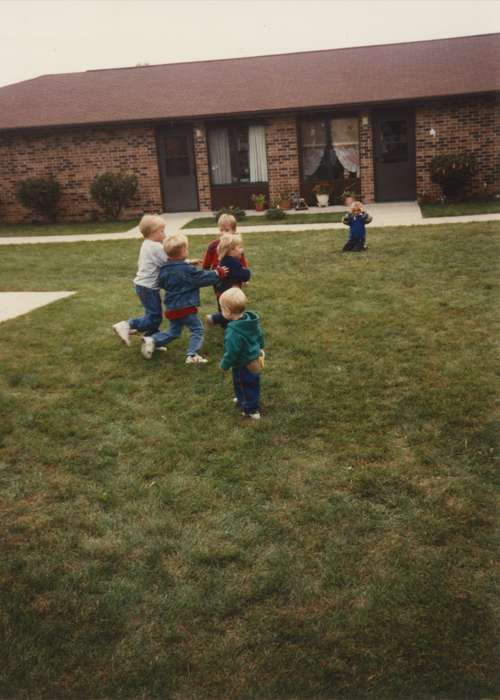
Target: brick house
[(204, 134)]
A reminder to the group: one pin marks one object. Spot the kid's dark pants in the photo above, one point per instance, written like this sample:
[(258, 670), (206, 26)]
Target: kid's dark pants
[(246, 389), (354, 244)]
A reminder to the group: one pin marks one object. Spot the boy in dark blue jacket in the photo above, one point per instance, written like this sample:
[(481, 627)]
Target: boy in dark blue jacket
[(230, 252), (181, 281), (356, 220)]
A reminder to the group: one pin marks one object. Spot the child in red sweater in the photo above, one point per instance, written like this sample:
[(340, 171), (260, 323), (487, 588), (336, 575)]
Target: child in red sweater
[(227, 227)]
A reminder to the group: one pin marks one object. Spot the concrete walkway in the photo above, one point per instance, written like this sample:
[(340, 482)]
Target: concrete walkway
[(14, 304), (388, 214)]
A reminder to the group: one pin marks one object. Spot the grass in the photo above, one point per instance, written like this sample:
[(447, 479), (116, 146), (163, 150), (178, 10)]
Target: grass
[(460, 208), (154, 546), (255, 220), (7, 230)]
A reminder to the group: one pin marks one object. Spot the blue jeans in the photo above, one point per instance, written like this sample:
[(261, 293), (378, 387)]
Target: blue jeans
[(150, 322), (175, 329), (246, 389)]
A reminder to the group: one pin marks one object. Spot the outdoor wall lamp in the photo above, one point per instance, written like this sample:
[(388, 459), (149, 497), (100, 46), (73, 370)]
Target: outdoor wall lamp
[(364, 121), (197, 133), (432, 131)]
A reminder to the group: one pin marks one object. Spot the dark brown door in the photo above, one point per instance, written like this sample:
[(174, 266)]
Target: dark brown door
[(394, 155), (177, 168)]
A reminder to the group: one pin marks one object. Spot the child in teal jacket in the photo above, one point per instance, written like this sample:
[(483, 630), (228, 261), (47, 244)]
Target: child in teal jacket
[(243, 351)]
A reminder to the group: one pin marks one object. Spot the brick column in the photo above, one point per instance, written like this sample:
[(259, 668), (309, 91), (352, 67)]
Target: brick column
[(366, 164), (202, 171), (282, 157)]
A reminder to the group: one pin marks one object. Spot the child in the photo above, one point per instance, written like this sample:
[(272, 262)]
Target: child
[(227, 226), (182, 282), (151, 258), (229, 252), (243, 343), (356, 221)]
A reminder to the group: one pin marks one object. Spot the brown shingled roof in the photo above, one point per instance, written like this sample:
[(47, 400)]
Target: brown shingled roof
[(363, 75)]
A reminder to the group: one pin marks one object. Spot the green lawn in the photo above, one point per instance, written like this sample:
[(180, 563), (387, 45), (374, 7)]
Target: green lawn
[(7, 230), (156, 546), (255, 220), (460, 208)]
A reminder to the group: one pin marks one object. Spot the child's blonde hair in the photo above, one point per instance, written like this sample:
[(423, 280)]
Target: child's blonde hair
[(172, 245), (227, 220), (228, 243), (150, 223), (234, 300), (357, 206)]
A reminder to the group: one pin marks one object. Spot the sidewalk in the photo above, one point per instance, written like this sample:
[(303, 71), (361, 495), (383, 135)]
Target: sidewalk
[(387, 214)]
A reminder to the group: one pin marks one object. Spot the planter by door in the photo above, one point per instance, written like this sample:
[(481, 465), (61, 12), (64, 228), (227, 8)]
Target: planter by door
[(177, 168), (394, 155), (323, 199)]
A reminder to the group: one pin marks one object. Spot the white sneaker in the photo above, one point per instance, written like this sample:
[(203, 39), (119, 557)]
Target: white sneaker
[(253, 416), (147, 347), (122, 330), (196, 359)]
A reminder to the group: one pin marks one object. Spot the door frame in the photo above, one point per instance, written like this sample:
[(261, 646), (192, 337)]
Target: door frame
[(160, 154), (397, 112)]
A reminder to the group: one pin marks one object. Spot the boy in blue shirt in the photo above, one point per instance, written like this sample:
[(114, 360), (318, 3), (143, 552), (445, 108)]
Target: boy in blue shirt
[(181, 281), (243, 351), (356, 220)]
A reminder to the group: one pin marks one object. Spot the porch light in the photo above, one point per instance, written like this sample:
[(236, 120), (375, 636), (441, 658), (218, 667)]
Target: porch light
[(432, 131)]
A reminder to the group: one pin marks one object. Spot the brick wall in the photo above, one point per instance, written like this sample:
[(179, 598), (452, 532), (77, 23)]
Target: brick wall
[(366, 157), (74, 157), (462, 126), (282, 157), (202, 172)]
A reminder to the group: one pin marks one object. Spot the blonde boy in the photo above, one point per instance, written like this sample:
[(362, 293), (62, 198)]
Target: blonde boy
[(356, 220), (227, 227), (181, 281), (151, 258), (243, 351)]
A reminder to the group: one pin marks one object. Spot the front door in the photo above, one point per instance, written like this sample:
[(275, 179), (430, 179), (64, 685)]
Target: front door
[(394, 155), (177, 168)]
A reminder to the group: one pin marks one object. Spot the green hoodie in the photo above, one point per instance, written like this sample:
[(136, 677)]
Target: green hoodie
[(243, 340)]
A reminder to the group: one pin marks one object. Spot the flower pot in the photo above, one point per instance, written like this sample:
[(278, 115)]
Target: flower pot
[(322, 200), (259, 207), (348, 201), (285, 204)]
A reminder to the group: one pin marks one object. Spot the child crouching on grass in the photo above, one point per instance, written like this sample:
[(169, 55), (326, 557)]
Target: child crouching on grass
[(243, 351), (151, 258), (356, 220), (181, 281), (230, 252)]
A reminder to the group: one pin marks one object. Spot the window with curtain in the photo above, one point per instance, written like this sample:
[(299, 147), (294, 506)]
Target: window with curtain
[(237, 154), (345, 144), (329, 148)]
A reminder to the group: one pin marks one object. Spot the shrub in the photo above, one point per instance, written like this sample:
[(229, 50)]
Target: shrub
[(112, 192), (40, 194), (452, 172), (275, 214), (237, 212)]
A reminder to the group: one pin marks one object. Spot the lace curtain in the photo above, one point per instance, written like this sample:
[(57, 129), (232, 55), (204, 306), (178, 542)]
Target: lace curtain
[(345, 140)]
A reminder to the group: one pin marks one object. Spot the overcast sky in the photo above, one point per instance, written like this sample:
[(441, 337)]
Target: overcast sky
[(62, 36)]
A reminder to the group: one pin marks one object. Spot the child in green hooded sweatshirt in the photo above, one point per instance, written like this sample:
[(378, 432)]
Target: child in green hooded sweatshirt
[(243, 351)]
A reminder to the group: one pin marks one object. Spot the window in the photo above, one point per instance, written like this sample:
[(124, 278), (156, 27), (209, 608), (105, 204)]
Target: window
[(330, 149), (237, 154), (393, 141)]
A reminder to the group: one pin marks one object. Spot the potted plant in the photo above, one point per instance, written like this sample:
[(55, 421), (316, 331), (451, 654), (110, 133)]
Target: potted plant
[(285, 201), (259, 201), (349, 196), (322, 191)]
